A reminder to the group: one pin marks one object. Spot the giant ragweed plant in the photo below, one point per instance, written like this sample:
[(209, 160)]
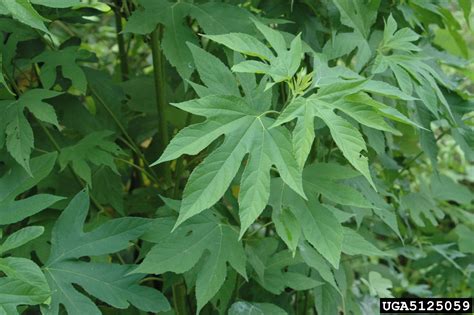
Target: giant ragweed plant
[(234, 157)]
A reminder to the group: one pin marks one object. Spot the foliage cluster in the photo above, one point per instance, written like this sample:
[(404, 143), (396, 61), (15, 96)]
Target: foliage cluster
[(234, 157)]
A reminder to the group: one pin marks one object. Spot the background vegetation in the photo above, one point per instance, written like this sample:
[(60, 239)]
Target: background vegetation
[(234, 157)]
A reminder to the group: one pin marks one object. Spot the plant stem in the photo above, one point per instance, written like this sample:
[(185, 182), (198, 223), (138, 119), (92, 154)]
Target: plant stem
[(179, 292), (139, 168), (296, 302), (159, 75), (306, 298), (151, 279), (121, 43), (129, 139), (180, 165), (179, 299)]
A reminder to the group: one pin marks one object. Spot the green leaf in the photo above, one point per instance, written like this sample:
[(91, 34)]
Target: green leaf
[(2, 78), (444, 188), (33, 101), (17, 210), (384, 110), (465, 237), (379, 286), (66, 59), (24, 283), (327, 300), (330, 170), (327, 185), (425, 80), (57, 3), (215, 75), (23, 11), (355, 244), (17, 180), (246, 132), (317, 262), (277, 270), (108, 282), (287, 227), (93, 149), (108, 188), (282, 67), (221, 18), (251, 66), (399, 40), (386, 89), (303, 137), (19, 138), (176, 34), (145, 18), (321, 229), (247, 308), (346, 136), (348, 139), (300, 282), (243, 43), (365, 115), (360, 16), (21, 237), (466, 6), (175, 38), (19, 135), (381, 208), (418, 204), (181, 250), (337, 192), (108, 102)]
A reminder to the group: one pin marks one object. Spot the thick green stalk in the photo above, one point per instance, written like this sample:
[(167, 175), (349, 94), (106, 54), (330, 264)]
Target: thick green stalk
[(179, 291), (121, 43), (159, 76), (179, 299)]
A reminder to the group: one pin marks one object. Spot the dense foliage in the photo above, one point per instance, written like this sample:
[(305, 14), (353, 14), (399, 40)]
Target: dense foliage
[(234, 157)]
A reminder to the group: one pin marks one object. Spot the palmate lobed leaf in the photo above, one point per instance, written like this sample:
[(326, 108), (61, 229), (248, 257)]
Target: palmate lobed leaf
[(319, 226), (246, 131), (358, 102), (277, 270), (17, 181), (349, 97), (281, 66), (93, 149), (65, 58), (19, 135), (108, 282), (183, 248)]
